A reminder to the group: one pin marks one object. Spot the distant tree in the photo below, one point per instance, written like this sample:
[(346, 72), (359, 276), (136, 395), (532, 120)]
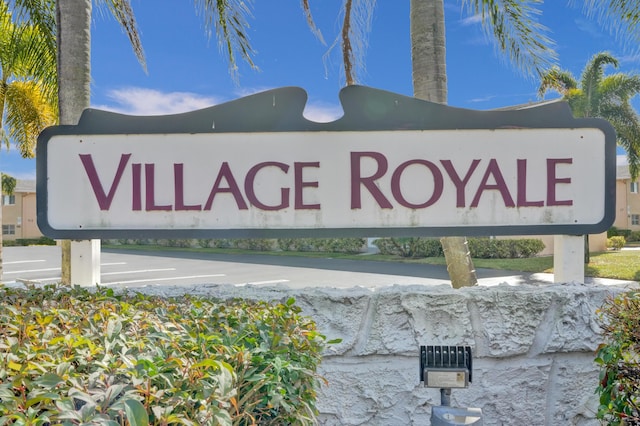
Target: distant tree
[(8, 185), (597, 95)]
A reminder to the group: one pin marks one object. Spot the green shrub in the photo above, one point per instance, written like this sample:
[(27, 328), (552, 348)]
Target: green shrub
[(221, 243), (329, 245), (616, 243), (409, 247), (179, 243), (71, 356), (612, 232), (480, 248), (204, 243), (492, 248), (285, 244), (257, 244), (634, 236), (617, 232), (42, 241), (619, 360)]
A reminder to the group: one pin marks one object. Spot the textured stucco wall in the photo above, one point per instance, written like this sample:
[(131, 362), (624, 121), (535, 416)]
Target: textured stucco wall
[(533, 349)]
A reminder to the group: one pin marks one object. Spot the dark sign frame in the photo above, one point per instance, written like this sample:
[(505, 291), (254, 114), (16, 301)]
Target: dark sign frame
[(365, 109)]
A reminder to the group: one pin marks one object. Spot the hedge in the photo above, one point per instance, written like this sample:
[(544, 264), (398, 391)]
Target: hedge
[(73, 356), (42, 241), (480, 248), (330, 245)]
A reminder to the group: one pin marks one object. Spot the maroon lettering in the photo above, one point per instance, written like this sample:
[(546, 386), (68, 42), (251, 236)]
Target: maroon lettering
[(136, 181), (493, 170), (104, 200), (553, 180), (249, 188), (300, 184), (178, 185), (225, 173), (437, 184), (522, 187), (150, 190), (460, 184), (369, 182)]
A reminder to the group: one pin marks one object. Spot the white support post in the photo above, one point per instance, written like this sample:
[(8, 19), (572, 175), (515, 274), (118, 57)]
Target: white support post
[(85, 262), (568, 258)]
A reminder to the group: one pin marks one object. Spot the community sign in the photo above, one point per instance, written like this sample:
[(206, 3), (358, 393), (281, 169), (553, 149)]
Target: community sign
[(392, 165)]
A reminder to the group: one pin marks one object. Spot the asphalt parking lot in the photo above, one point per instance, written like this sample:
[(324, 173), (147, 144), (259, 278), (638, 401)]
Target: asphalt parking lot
[(41, 264)]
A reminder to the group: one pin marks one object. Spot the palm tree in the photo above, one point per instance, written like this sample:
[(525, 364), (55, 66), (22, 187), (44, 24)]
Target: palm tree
[(513, 26), (8, 185), (597, 95), (27, 100), (608, 97), (71, 32)]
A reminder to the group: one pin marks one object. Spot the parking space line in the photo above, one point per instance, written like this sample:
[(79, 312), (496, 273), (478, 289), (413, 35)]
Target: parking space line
[(263, 282), (31, 270), (23, 261), (140, 271), (164, 279)]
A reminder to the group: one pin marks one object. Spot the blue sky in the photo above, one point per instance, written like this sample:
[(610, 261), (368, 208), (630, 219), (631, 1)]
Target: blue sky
[(186, 71)]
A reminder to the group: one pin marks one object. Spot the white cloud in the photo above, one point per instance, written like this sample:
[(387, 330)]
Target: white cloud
[(318, 112), (626, 59), (141, 101), (471, 20), (588, 27), (322, 113)]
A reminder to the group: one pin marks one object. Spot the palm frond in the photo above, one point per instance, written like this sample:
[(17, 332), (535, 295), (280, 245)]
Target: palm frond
[(357, 17), (32, 58), (627, 124), (229, 19), (594, 71), (619, 87), (557, 80), (620, 17), (27, 113), (514, 26), (122, 11), (40, 13), (306, 9)]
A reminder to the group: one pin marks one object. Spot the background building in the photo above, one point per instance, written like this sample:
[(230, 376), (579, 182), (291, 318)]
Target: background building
[(627, 201), (19, 212)]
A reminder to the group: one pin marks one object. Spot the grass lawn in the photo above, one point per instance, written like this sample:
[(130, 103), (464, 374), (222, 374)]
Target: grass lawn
[(622, 265)]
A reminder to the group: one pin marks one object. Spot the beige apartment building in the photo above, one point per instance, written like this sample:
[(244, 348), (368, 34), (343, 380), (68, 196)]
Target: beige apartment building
[(19, 212), (627, 201)]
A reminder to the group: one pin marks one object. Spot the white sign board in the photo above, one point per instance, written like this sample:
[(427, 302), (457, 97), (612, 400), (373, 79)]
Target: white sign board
[(390, 182)]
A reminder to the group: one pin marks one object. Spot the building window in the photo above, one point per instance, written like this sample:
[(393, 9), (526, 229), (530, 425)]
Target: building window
[(8, 200), (635, 219), (633, 187), (8, 230)]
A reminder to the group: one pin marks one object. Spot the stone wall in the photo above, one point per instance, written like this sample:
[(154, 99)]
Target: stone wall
[(533, 349)]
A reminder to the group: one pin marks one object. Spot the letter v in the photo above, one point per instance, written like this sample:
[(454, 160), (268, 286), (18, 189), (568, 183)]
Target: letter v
[(104, 200)]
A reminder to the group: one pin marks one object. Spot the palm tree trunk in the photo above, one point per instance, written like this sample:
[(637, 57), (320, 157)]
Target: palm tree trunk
[(73, 20), (428, 54)]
